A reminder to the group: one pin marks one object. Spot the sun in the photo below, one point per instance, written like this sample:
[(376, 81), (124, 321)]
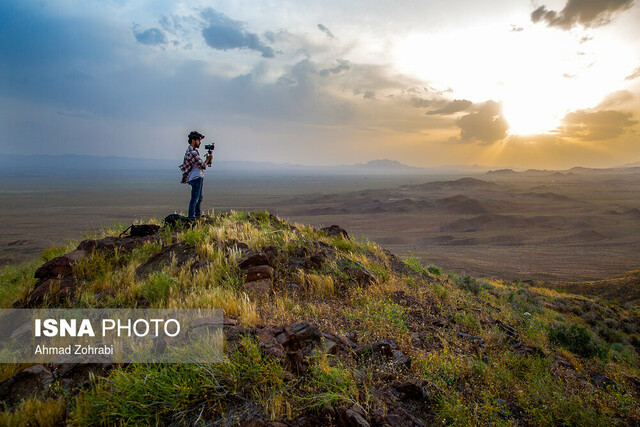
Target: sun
[(537, 75), (529, 112)]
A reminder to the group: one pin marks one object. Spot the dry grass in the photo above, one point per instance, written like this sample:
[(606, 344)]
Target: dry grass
[(36, 412)]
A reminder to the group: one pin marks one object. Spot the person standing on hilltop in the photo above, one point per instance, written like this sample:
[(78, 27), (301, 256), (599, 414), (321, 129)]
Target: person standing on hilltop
[(193, 172)]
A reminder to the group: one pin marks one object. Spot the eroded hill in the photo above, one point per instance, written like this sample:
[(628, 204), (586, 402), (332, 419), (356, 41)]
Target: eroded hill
[(324, 329)]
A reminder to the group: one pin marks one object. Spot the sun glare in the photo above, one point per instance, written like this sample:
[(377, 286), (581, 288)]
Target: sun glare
[(538, 75)]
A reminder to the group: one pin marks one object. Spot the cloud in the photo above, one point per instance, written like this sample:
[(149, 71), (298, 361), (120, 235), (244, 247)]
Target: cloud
[(588, 13), (516, 29), (223, 33), (151, 37), (343, 65), (423, 103), (634, 75), (615, 99), (487, 125), (596, 125), (452, 107), (326, 31)]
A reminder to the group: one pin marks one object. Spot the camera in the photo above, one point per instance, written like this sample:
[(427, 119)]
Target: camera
[(210, 147)]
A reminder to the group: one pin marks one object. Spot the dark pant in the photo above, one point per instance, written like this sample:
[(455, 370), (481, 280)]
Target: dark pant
[(196, 197)]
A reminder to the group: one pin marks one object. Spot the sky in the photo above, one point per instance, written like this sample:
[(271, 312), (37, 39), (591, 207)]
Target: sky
[(499, 83)]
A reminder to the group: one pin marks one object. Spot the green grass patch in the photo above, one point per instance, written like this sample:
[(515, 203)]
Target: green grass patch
[(577, 339), (435, 270), (194, 236), (158, 287), (471, 284), (162, 394), (414, 264), (16, 281), (379, 314), (329, 383)]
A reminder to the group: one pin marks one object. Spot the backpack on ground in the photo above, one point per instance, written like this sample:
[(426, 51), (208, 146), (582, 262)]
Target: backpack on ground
[(176, 220), (141, 230)]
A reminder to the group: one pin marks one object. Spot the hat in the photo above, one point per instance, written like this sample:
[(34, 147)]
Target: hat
[(195, 135)]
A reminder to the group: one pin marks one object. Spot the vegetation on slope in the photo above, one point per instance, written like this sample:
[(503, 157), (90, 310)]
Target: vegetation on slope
[(414, 345)]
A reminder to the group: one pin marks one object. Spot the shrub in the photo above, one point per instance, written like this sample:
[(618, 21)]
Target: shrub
[(577, 339), (471, 284), (414, 263), (329, 384), (436, 271), (52, 252), (316, 285), (158, 286), (16, 281)]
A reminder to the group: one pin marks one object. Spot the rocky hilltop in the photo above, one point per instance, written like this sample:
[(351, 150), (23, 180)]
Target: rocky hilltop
[(323, 329)]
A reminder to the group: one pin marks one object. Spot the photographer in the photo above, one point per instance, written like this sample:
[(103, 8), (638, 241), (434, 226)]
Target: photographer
[(193, 171)]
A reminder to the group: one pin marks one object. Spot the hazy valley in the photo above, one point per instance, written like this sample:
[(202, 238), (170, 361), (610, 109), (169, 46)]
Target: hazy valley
[(582, 224)]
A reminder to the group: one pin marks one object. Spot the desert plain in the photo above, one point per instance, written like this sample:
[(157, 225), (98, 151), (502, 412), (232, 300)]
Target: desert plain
[(570, 226)]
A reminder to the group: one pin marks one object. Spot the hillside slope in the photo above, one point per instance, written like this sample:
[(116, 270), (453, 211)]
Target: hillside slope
[(624, 288), (322, 329)]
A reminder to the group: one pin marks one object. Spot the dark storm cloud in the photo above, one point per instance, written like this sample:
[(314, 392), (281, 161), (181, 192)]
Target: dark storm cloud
[(487, 125), (55, 60), (326, 31), (588, 13), (223, 33), (452, 107), (596, 125), (152, 36)]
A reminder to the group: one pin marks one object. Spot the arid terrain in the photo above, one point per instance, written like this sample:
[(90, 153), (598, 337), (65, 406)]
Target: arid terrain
[(576, 225)]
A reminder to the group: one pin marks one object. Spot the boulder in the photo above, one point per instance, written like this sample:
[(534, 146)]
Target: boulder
[(258, 289), (385, 347), (299, 334), (182, 252), (77, 376), (54, 289), (109, 244), (408, 390), (61, 266), (259, 272), (510, 331), (253, 258), (272, 253), (355, 416), (334, 231), (33, 381), (356, 271), (199, 265), (269, 344), (602, 381)]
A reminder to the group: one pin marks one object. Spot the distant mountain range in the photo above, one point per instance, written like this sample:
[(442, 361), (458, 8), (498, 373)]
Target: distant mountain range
[(73, 163), (504, 173), (19, 164)]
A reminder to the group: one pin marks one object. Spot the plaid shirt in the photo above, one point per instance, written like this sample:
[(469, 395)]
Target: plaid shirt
[(191, 158)]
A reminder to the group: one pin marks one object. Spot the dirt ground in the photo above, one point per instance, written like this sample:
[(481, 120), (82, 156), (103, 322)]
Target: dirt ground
[(573, 225)]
